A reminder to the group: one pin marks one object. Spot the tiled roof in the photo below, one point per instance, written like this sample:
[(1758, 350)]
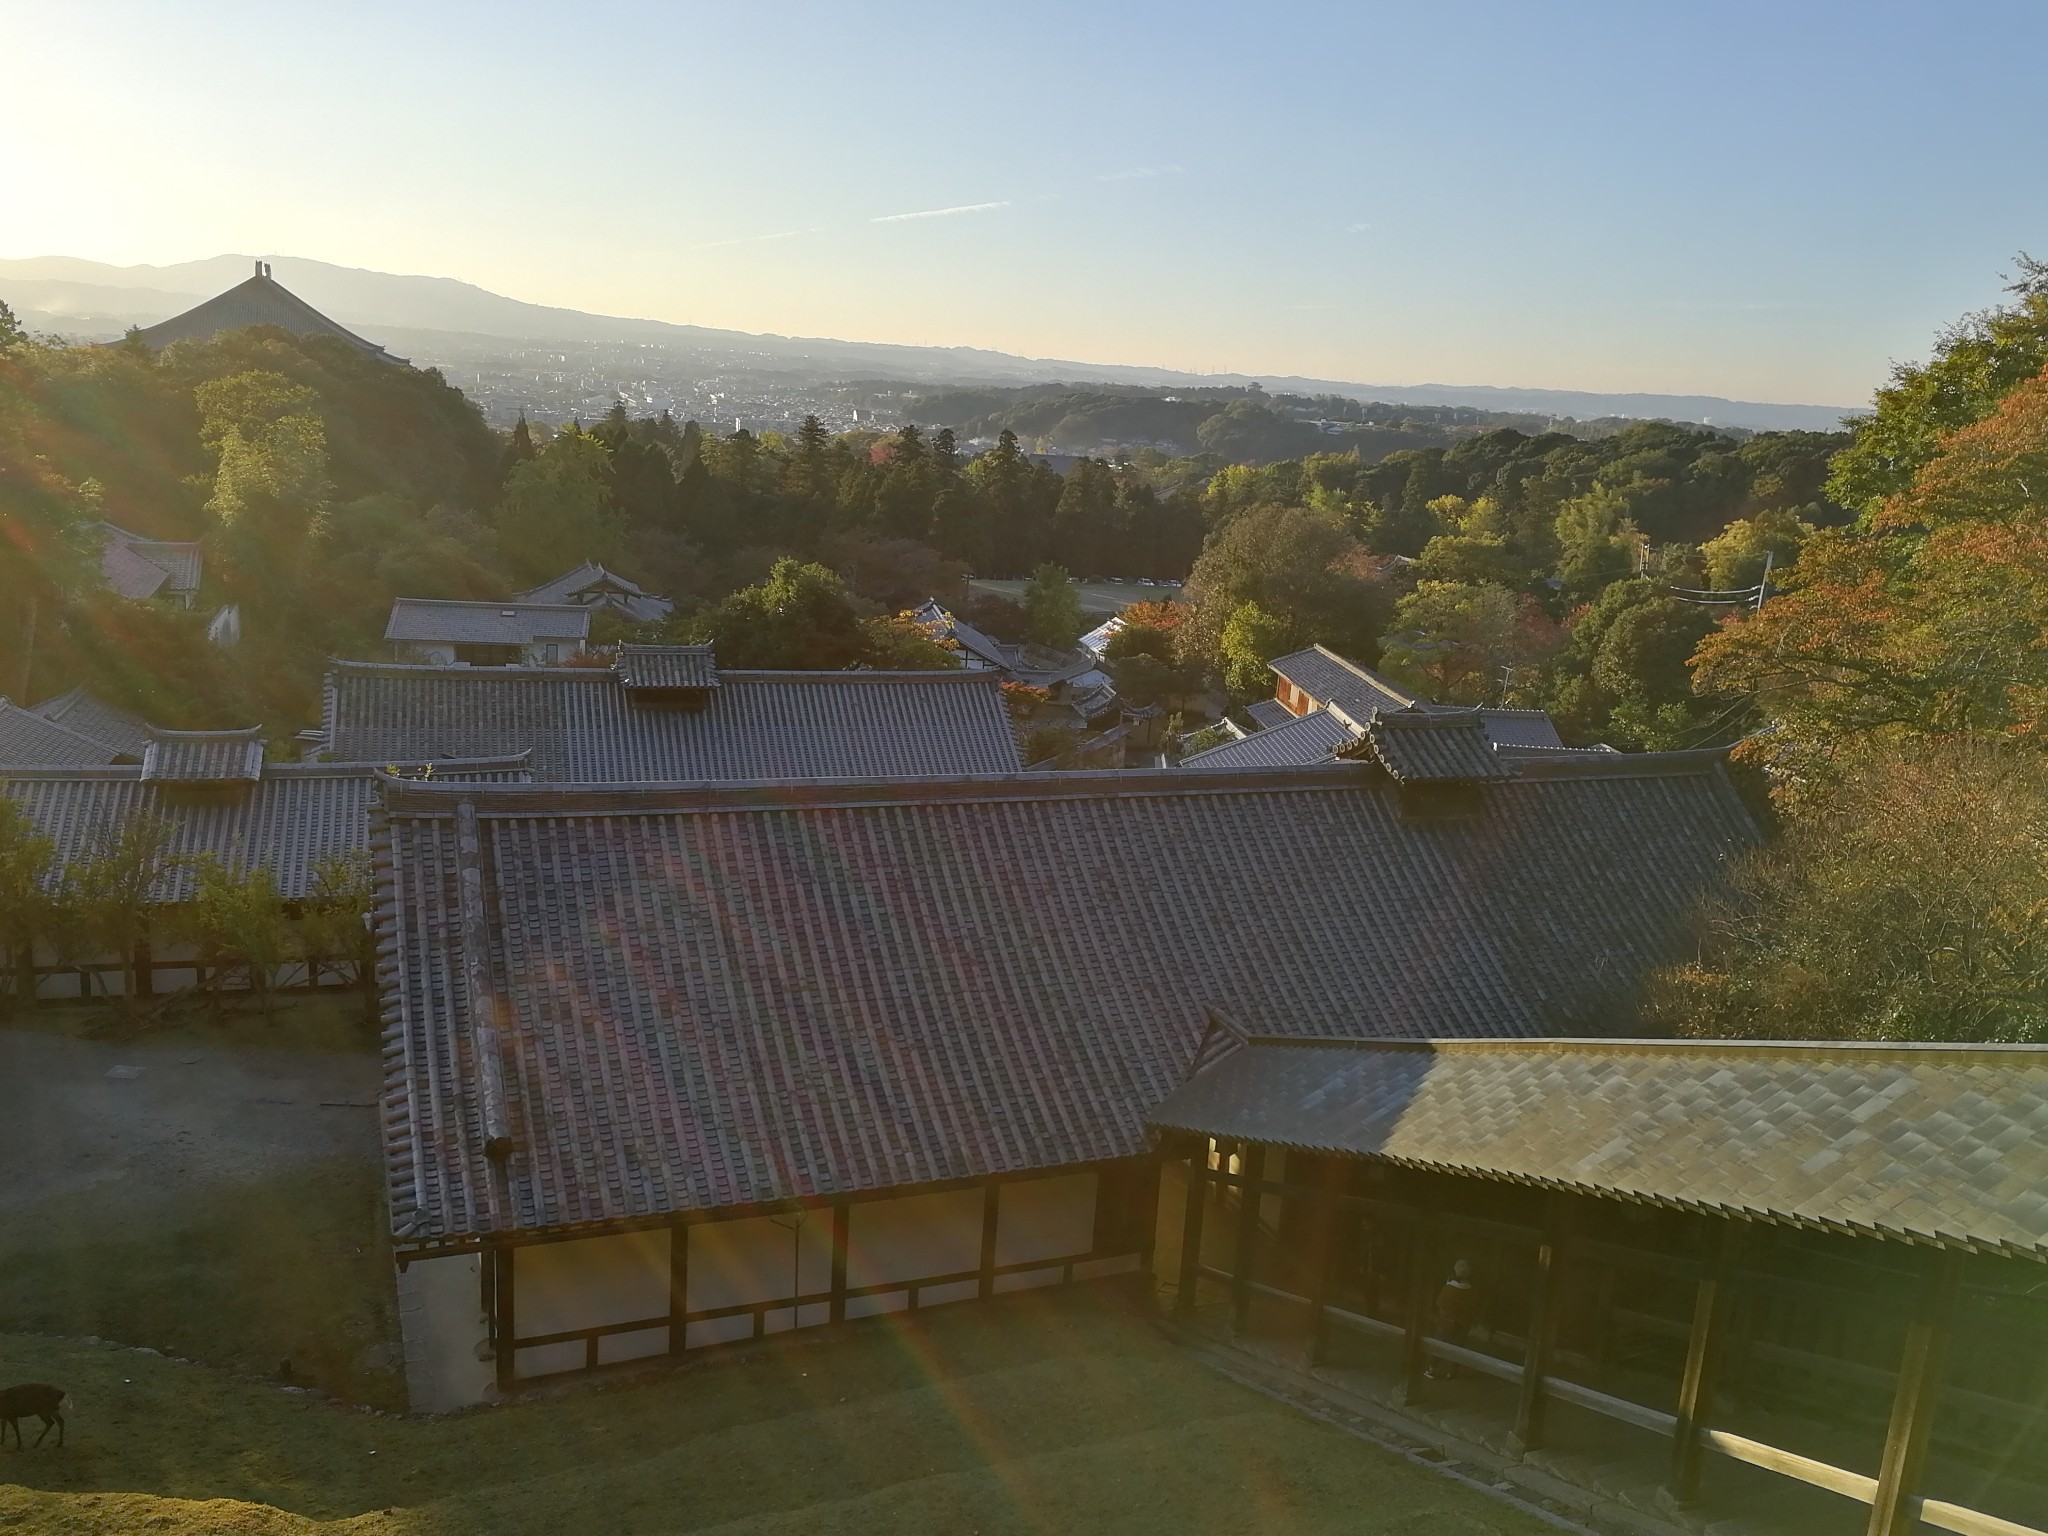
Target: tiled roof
[(666, 666), (582, 726), (27, 738), (79, 711), (1037, 665), (1331, 679), (1309, 738), (204, 757), (257, 300), (724, 995), (138, 567), (431, 620), (291, 818), (1931, 1143), (1439, 747), (1267, 713), (592, 586)]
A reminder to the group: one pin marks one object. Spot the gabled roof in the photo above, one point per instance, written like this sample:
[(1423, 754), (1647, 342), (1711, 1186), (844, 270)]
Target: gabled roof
[(447, 622), (291, 818), (1336, 680), (1441, 747), (137, 567), (719, 996), (1268, 713), (204, 757), (257, 300), (592, 586), (128, 735), (1931, 1143), (666, 667), (27, 738), (584, 726), (1034, 664), (1309, 738)]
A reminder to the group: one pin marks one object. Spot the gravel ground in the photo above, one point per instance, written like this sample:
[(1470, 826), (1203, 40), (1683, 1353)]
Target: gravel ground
[(129, 1128)]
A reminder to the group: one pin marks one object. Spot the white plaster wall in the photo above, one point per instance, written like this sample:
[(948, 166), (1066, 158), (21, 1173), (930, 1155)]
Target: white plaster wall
[(588, 1283), (441, 1324), (1045, 1218), (914, 1236), (760, 1258)]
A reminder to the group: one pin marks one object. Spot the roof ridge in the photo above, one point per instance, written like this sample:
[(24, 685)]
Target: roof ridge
[(1648, 1045), (477, 602)]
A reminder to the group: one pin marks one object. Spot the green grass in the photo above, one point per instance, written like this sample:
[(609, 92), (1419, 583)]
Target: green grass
[(1024, 1417), (1101, 598), (334, 1020), (295, 1267)]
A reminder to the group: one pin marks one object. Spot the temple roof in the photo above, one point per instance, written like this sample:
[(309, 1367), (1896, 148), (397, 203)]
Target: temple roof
[(257, 300)]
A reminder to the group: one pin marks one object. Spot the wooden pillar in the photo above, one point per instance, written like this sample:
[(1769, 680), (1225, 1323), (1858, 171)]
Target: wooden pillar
[(991, 1210), (1528, 1432), (1191, 1232), (1414, 1359), (507, 1326), (678, 1284), (1894, 1512), (1252, 1165), (842, 1228), (1322, 1254), (1703, 1351), (145, 969)]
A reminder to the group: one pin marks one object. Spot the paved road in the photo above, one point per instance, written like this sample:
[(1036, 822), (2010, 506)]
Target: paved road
[(170, 1119)]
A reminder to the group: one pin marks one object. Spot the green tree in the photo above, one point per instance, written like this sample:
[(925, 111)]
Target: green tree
[(28, 903), (1452, 641), (335, 933), (1735, 557), (1252, 637), (1299, 566), (112, 893), (236, 922), (557, 509), (1470, 558), (1054, 608), (11, 333), (798, 619)]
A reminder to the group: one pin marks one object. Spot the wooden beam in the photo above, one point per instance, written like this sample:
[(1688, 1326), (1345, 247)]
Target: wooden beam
[(1253, 1156), (504, 1315), (1322, 1251), (1528, 1431), (842, 1229), (678, 1285), (1892, 1512), (991, 1210), (1191, 1233), (1703, 1349)]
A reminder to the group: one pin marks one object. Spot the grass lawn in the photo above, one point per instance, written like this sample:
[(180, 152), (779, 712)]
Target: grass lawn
[(1024, 1417), (1101, 598), (332, 1020)]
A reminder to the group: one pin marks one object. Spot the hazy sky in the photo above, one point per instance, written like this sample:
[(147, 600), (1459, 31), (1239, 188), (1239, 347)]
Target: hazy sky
[(1768, 201)]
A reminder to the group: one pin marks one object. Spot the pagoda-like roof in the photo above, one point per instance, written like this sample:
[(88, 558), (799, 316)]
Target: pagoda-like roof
[(258, 300)]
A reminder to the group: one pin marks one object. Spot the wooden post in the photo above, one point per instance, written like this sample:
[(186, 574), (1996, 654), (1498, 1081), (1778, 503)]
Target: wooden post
[(1703, 1349), (1252, 1165), (1414, 1359), (1322, 1252), (991, 1208), (678, 1285), (1528, 1431), (1905, 1442), (1191, 1232), (507, 1364), (842, 1228)]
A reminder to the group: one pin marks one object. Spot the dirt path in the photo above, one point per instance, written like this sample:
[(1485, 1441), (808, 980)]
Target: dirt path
[(134, 1128)]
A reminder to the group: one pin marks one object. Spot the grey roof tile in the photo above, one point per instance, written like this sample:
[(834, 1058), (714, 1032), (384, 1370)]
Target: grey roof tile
[(719, 996), (1268, 713), (257, 300), (431, 620), (690, 667), (1357, 691), (29, 739), (1439, 747), (1309, 738), (204, 757), (79, 711), (1766, 1128), (592, 586), (583, 726)]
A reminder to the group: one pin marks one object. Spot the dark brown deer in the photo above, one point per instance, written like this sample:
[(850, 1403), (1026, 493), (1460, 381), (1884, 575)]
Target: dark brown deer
[(32, 1397)]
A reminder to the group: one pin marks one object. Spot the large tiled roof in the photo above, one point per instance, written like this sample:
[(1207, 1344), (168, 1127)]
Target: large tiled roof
[(292, 817), (591, 585), (714, 997), (1440, 747), (1932, 1143), (27, 738), (138, 567), (128, 735), (1357, 691), (583, 726), (257, 300), (447, 622), (204, 757), (1304, 739), (1037, 665)]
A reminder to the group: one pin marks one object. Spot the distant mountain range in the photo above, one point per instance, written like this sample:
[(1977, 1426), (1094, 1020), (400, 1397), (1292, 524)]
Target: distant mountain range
[(90, 299)]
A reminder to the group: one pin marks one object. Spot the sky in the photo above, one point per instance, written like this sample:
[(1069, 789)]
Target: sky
[(1768, 201)]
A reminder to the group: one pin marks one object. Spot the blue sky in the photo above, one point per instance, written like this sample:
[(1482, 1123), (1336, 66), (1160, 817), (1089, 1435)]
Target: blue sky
[(1767, 201)]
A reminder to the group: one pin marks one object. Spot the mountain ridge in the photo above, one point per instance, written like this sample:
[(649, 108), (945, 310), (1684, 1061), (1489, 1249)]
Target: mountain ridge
[(73, 295)]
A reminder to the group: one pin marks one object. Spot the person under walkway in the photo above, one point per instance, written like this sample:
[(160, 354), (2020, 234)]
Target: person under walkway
[(1457, 1309)]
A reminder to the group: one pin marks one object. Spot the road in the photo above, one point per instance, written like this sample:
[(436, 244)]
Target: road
[(1099, 597)]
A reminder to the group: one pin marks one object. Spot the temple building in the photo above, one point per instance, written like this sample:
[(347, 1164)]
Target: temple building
[(257, 300)]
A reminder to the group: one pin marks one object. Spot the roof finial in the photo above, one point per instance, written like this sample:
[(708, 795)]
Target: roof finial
[(259, 269)]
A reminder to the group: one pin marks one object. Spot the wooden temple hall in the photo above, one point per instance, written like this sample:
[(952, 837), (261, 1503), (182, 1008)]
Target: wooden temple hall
[(1804, 1278)]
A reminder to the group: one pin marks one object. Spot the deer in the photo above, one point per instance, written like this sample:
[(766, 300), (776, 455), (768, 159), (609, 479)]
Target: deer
[(32, 1397)]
